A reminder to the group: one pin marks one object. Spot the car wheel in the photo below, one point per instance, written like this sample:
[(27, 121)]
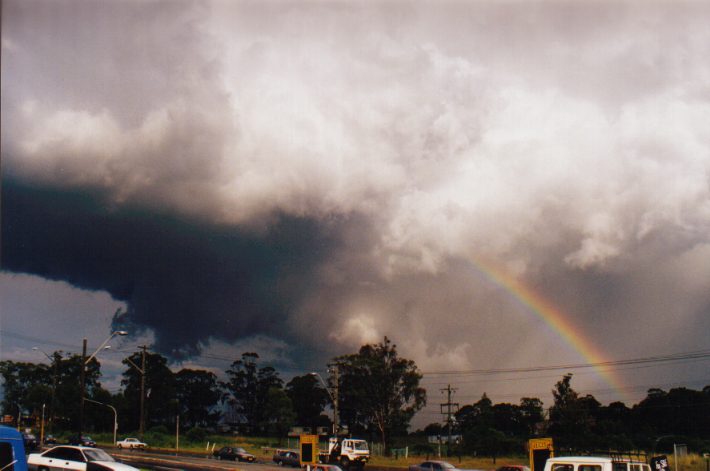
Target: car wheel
[(344, 462), (120, 446)]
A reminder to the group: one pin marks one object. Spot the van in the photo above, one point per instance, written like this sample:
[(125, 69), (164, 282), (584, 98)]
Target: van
[(593, 463)]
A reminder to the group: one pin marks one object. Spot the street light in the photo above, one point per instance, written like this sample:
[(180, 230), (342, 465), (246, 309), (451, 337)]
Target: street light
[(85, 362), (115, 416), (55, 362), (333, 397)]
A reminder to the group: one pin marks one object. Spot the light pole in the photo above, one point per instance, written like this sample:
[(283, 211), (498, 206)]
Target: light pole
[(115, 416), (333, 397), (85, 362), (54, 361), (141, 370)]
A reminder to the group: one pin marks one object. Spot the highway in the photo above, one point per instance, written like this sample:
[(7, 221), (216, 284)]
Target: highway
[(166, 462)]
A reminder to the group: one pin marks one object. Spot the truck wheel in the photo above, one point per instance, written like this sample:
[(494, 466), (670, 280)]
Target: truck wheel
[(345, 463), (43, 468)]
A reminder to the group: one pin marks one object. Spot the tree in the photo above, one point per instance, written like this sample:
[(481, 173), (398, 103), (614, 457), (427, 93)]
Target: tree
[(247, 388), (19, 378), (379, 390), (570, 420), (278, 414), (308, 399), (197, 393), (159, 390), (532, 414)]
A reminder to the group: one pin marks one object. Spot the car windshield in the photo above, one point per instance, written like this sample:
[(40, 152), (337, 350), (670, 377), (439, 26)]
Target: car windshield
[(446, 465), (240, 450), (360, 445), (98, 455)]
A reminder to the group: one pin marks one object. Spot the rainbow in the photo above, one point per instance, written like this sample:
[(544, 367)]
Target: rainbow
[(557, 320)]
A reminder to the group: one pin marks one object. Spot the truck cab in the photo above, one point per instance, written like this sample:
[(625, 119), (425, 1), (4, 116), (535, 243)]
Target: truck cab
[(12, 450), (346, 452)]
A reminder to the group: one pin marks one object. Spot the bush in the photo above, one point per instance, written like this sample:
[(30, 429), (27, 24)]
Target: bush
[(196, 434), (159, 430)]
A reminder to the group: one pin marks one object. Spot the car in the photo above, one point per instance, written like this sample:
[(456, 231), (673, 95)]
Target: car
[(287, 458), (234, 454), (30, 441), (83, 440), (513, 467), (326, 467), (50, 440), (432, 466), (75, 458), (131, 443)]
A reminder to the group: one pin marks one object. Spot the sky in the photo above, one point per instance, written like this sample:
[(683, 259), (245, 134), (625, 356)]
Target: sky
[(491, 185)]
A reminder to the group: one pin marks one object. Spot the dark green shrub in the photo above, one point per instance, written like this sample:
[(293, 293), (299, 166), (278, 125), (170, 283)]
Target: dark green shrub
[(196, 434)]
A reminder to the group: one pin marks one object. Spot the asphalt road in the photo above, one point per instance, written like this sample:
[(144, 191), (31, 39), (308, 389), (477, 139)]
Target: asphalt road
[(169, 462)]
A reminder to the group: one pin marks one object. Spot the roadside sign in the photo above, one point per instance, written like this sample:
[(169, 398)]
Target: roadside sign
[(309, 449), (540, 450)]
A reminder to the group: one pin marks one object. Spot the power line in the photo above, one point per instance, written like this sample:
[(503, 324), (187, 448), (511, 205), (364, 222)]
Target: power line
[(699, 354), (647, 362)]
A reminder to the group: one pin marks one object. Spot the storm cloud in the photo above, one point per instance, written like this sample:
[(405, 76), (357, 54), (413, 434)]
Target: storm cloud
[(235, 169)]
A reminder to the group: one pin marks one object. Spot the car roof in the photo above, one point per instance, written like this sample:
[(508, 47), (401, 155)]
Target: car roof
[(589, 459), (76, 447)]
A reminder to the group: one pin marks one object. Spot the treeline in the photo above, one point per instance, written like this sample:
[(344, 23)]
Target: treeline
[(581, 423), (378, 393)]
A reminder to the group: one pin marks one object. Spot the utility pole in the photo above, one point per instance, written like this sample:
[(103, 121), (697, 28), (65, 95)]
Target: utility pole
[(142, 421), (451, 408), (83, 387), (141, 370), (336, 418)]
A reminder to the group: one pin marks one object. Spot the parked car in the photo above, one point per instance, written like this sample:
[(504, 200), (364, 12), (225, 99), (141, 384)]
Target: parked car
[(326, 467), (131, 443), (432, 466), (30, 441), (234, 454), (513, 467), (83, 440), (75, 458), (287, 458), (50, 440)]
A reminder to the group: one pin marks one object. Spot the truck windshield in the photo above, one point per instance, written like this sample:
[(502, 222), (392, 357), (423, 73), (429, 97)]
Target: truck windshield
[(360, 445)]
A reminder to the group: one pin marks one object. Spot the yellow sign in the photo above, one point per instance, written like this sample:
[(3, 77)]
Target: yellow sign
[(309, 449), (540, 450)]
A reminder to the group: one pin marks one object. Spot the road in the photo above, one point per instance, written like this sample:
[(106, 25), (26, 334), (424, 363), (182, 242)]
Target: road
[(165, 462)]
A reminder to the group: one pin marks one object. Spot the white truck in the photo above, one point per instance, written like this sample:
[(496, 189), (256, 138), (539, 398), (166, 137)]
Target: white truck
[(594, 463), (345, 452)]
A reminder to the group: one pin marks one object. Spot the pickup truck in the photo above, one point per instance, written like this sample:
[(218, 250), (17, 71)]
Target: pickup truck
[(12, 450), (131, 443)]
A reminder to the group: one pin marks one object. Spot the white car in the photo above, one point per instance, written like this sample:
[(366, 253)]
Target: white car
[(74, 458), (131, 443)]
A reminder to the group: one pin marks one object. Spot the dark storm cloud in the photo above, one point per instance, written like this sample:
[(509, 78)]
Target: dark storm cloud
[(231, 169), (188, 282)]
